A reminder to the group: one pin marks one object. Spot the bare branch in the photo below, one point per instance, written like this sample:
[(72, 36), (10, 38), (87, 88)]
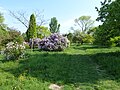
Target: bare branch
[(40, 17), (19, 18), (84, 22)]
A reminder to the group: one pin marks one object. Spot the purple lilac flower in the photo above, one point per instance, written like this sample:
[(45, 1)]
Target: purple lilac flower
[(53, 42)]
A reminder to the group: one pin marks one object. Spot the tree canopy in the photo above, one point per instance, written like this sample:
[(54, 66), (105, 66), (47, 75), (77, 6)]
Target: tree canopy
[(1, 18), (54, 26), (84, 23), (31, 32), (109, 14)]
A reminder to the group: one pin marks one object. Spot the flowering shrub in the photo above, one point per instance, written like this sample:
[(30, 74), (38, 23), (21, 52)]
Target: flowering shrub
[(26, 44), (14, 51), (35, 42), (55, 42)]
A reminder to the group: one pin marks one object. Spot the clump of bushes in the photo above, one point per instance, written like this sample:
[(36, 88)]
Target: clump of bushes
[(14, 51), (114, 41), (54, 42), (80, 37), (33, 43)]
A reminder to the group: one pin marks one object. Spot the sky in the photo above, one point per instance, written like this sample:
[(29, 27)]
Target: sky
[(64, 10)]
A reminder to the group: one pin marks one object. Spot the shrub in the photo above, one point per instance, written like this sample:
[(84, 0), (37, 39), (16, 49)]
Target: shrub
[(26, 44), (88, 38), (35, 42), (70, 37), (55, 42), (14, 51), (114, 41)]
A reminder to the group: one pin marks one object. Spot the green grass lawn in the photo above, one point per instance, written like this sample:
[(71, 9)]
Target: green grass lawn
[(85, 67)]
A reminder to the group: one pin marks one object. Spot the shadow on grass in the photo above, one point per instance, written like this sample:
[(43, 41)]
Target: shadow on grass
[(85, 47), (58, 68), (63, 68), (109, 62)]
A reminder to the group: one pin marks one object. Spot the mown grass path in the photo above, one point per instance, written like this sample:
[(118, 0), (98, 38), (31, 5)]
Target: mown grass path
[(75, 69)]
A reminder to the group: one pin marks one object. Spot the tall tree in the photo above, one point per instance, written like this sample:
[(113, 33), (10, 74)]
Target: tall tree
[(54, 26), (42, 32), (109, 14), (3, 32), (84, 23), (31, 31), (21, 16)]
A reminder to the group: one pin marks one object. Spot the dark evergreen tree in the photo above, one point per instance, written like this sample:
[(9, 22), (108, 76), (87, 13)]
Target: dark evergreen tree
[(31, 31)]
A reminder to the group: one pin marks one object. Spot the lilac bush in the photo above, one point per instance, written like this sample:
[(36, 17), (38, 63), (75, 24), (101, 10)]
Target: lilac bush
[(35, 42), (13, 51), (54, 42)]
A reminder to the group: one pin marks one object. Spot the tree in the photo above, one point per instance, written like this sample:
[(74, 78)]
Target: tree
[(21, 16), (3, 32), (92, 30), (109, 15), (54, 26), (1, 18), (31, 31), (15, 35), (70, 37), (8, 34), (84, 23), (42, 32), (2, 25)]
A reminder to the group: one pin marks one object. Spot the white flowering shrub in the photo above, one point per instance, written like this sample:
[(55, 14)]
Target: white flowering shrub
[(55, 42), (14, 51)]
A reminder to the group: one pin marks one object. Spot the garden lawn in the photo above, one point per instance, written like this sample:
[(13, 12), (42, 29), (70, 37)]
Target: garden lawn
[(85, 67)]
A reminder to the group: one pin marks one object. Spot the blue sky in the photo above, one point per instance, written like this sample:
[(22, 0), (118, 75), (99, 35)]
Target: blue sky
[(64, 10)]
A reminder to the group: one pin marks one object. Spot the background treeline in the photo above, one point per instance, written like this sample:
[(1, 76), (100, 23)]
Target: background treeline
[(83, 31)]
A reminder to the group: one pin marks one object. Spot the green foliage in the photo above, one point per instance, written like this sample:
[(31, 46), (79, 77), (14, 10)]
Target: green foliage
[(1, 18), (79, 67), (92, 30), (80, 38), (8, 34), (84, 23), (85, 30), (109, 62), (54, 26), (108, 14), (19, 39), (24, 37), (70, 37), (88, 38), (3, 33), (14, 51), (27, 46), (115, 41), (12, 36), (31, 32), (16, 36), (42, 32)]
